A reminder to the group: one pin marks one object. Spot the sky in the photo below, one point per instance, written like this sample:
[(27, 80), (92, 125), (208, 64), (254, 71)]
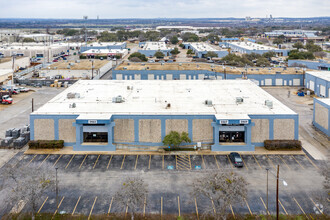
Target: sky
[(108, 9)]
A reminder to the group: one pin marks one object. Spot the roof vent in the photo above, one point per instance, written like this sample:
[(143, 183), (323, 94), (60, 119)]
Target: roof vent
[(208, 103), (73, 105), (239, 100), (269, 103), (118, 99), (72, 95)]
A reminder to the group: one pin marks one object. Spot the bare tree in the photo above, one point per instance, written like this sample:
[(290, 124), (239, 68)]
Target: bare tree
[(132, 194), (27, 184), (320, 54), (222, 189)]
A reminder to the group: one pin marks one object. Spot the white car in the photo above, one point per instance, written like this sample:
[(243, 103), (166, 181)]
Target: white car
[(23, 89)]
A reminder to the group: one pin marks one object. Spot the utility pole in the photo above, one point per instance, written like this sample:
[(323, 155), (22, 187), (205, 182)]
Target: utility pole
[(56, 188), (92, 69), (267, 192), (13, 67), (277, 179)]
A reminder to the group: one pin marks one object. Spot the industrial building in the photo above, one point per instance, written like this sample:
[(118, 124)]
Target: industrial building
[(291, 33), (311, 64), (321, 115), (250, 47), (204, 71), (233, 115), (80, 69), (150, 48), (201, 49), (5, 75), (319, 82), (38, 50), (104, 46), (92, 53)]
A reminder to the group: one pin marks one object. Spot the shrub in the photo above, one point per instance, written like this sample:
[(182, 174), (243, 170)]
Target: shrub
[(46, 144), (282, 144), (142, 57)]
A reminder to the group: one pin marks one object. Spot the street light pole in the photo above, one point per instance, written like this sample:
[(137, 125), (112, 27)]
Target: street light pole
[(277, 179), (56, 188), (267, 192), (92, 69)]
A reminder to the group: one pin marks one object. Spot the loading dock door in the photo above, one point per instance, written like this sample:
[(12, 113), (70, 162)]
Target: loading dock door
[(322, 91), (311, 85)]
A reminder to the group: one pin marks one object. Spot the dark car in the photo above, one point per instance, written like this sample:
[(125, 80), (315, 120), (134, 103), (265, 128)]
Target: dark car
[(236, 159)]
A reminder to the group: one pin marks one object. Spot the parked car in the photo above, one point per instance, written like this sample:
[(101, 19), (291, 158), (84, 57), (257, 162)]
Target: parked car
[(16, 91), (6, 99), (23, 89), (236, 159), (55, 60)]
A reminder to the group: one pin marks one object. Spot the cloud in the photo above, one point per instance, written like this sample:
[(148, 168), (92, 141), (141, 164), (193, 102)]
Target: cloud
[(161, 8)]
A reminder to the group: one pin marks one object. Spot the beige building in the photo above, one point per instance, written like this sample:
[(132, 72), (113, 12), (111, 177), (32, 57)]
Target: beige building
[(231, 115)]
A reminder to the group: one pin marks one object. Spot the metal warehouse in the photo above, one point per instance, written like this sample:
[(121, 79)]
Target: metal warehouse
[(232, 115), (150, 48), (201, 49), (319, 82), (321, 115), (104, 46), (250, 47)]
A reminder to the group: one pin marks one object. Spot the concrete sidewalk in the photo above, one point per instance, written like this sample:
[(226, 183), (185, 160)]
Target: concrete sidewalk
[(69, 150), (313, 151)]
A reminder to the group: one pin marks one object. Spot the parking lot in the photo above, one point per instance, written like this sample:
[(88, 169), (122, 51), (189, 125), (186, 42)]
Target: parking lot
[(89, 182)]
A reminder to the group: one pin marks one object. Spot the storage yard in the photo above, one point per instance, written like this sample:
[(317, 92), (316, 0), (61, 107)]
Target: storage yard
[(208, 67)]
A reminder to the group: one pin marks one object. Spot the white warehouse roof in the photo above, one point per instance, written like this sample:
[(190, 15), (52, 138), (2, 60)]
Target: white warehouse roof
[(325, 75), (155, 46), (252, 46), (186, 97)]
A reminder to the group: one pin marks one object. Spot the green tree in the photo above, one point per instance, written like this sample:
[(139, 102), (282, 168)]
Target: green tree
[(159, 54), (28, 39), (152, 35), (211, 54), (298, 45), (175, 139), (190, 37), (269, 54), (175, 51), (189, 51), (181, 45), (311, 47), (301, 55), (278, 41), (174, 40), (141, 56), (105, 36), (213, 37), (262, 61)]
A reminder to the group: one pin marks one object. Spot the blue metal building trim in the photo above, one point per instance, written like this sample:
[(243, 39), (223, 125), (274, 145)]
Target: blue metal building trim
[(194, 74), (317, 125)]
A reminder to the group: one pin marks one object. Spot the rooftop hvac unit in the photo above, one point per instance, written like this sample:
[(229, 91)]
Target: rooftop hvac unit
[(208, 103), (269, 103), (118, 99), (72, 95), (73, 105), (239, 100)]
